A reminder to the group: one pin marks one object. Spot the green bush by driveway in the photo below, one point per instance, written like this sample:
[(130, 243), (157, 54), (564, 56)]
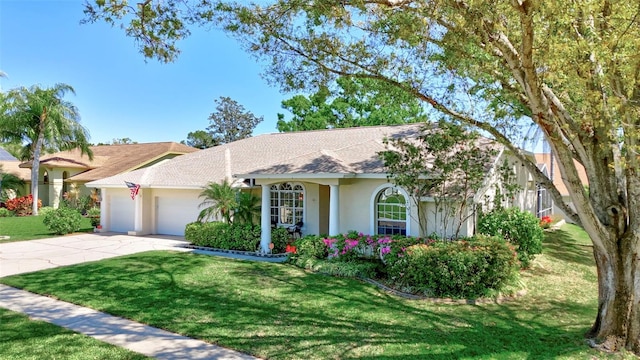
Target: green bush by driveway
[(20, 228)]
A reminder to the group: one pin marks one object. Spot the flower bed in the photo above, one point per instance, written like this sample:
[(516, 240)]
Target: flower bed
[(468, 268)]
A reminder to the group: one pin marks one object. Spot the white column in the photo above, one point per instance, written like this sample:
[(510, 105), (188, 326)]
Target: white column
[(265, 219), (55, 188), (137, 215), (105, 219), (334, 210)]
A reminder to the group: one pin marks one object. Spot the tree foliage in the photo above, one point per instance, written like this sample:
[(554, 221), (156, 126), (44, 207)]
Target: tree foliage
[(446, 163), (40, 118), (571, 68), (230, 121), (219, 201), (355, 102), (200, 139)]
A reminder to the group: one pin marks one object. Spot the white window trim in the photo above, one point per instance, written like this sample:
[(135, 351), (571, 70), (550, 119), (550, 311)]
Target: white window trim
[(372, 207), (304, 203)]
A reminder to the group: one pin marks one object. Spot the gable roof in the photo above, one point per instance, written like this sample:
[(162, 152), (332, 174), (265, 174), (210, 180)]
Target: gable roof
[(336, 153), (109, 160)]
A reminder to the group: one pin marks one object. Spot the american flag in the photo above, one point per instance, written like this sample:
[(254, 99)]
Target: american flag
[(133, 188)]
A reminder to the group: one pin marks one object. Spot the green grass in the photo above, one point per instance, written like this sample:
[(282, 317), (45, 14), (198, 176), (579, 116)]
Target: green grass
[(21, 228), (24, 339), (278, 311)]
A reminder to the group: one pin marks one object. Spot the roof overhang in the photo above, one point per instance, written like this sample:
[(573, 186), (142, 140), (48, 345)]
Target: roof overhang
[(145, 186), (296, 176)]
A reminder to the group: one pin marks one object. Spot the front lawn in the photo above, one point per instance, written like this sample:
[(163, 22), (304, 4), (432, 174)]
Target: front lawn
[(20, 228), (29, 339), (277, 311)]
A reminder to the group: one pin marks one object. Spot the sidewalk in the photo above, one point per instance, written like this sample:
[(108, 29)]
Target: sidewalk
[(27, 256), (111, 329)]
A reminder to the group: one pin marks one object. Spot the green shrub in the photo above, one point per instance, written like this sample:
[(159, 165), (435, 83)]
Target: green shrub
[(63, 220), (312, 246), (219, 235), (4, 212), (94, 216), (280, 239), (45, 210), (470, 268), (521, 228)]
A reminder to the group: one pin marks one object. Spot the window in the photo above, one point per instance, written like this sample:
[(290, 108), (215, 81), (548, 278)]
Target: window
[(391, 212), (287, 203), (65, 184)]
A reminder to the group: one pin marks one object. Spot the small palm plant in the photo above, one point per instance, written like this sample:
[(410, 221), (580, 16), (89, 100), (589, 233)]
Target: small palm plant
[(219, 200), (248, 208)]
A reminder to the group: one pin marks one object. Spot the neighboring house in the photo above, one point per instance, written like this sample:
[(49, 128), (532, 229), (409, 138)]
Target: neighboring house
[(331, 180), (58, 171), (545, 159)]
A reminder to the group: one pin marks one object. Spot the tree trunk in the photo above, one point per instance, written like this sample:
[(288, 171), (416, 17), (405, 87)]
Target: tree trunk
[(35, 166), (617, 324)]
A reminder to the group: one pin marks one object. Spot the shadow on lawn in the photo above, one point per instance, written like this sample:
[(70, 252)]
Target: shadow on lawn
[(280, 312), (562, 246)]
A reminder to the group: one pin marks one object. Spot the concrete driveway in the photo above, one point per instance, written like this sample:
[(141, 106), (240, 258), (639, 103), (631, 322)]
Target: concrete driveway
[(27, 256)]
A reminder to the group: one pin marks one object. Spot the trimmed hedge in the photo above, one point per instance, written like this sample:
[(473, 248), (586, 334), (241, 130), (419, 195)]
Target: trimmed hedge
[(243, 237), (520, 228)]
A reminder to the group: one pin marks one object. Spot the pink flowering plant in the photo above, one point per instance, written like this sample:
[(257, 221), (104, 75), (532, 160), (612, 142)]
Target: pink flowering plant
[(356, 245), (470, 267)]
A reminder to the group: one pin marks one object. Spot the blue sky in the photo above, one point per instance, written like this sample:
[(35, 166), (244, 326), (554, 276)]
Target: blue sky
[(118, 94)]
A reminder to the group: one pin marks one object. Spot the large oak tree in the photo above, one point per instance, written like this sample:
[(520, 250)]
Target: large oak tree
[(570, 67)]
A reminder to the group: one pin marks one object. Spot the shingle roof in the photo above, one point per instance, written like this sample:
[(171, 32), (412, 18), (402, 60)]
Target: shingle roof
[(109, 160), (12, 167), (5, 156), (351, 151)]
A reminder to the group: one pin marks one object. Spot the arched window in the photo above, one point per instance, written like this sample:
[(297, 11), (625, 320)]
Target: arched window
[(390, 210), (45, 178), (287, 203), (65, 184)]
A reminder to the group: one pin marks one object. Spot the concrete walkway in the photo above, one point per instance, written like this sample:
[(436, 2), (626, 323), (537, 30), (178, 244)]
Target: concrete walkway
[(34, 255)]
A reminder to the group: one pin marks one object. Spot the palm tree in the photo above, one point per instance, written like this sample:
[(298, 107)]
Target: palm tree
[(40, 118), (219, 199), (248, 207)]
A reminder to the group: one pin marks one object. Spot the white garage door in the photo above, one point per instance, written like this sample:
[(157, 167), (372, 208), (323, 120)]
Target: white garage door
[(122, 214), (173, 214)]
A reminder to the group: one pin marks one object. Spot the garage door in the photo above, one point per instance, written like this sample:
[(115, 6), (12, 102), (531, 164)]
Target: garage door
[(122, 214), (173, 214)]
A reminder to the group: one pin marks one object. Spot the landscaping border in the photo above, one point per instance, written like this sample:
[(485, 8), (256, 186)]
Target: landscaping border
[(237, 252)]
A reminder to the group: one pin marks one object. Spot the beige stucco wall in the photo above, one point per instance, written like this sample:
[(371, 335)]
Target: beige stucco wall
[(54, 189), (357, 206)]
